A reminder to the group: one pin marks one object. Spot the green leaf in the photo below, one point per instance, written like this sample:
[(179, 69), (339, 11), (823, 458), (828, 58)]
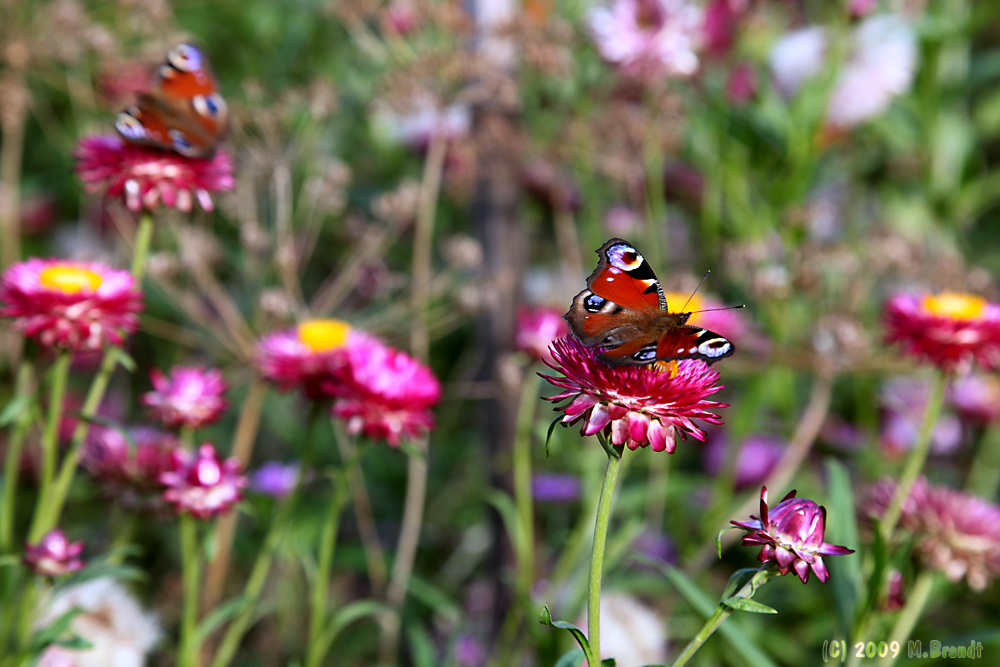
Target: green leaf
[(56, 632), (548, 436), (718, 538), (842, 528), (703, 604), (122, 358), (346, 615), (505, 507), (435, 598), (571, 659), (422, 650), (224, 612), (545, 618), (745, 604), (608, 662), (738, 581), (14, 409)]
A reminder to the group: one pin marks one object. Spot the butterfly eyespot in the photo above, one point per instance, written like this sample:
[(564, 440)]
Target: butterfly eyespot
[(181, 143), (593, 303), (209, 106), (129, 126), (644, 355), (184, 58)]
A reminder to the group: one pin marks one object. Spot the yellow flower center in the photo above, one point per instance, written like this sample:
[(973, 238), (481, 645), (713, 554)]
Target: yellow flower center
[(70, 279), (671, 367), (954, 305), (324, 335), (676, 301)]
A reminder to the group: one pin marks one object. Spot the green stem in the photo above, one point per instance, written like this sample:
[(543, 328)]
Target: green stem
[(984, 475), (522, 486), (597, 557), (12, 462), (50, 435), (721, 613), (327, 547), (44, 522), (918, 456), (191, 575), (914, 609)]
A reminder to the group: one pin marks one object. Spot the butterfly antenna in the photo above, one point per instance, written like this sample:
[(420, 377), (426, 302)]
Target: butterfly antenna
[(711, 310), (695, 291)]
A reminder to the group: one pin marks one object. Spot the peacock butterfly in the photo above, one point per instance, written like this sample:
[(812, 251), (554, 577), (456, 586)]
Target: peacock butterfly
[(183, 112), (624, 312)]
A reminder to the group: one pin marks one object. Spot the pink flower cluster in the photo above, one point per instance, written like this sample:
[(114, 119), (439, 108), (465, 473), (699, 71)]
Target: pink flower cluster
[(54, 555), (190, 397), (379, 391), (201, 484), (78, 306)]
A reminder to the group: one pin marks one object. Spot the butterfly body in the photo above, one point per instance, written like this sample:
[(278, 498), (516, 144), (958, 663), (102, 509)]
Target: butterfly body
[(624, 312), (183, 112)]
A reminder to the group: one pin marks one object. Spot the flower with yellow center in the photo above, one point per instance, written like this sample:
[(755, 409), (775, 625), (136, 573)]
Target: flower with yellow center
[(951, 330), (71, 305), (307, 356)]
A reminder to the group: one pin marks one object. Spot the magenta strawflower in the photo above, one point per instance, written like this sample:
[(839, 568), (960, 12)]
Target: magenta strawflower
[(190, 397), (72, 305), (956, 533), (144, 177), (384, 393), (311, 354), (792, 535), (201, 484), (536, 329), (633, 405), (54, 555), (649, 37), (950, 330)]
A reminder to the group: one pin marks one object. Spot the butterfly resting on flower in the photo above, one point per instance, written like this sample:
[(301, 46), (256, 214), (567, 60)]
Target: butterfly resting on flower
[(624, 312)]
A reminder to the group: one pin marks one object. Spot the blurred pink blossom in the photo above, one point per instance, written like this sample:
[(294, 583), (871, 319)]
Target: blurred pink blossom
[(189, 397), (649, 36)]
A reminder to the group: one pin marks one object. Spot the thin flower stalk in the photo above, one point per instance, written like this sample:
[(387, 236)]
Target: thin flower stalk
[(984, 473), (722, 612), (50, 446), (919, 595), (597, 554), (12, 462), (42, 523), (318, 604), (188, 654), (915, 462), (416, 473)]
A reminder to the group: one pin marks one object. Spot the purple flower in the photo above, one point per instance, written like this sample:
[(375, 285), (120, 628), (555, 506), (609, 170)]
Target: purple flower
[(757, 457), (976, 397), (791, 534), (54, 555), (555, 488), (189, 397), (275, 479)]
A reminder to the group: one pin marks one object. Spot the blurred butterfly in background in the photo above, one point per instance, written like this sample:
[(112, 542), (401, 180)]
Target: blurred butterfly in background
[(624, 312), (183, 112)]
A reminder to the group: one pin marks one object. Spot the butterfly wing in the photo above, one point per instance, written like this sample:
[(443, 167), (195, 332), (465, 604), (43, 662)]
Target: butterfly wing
[(614, 311), (689, 342), (184, 112)]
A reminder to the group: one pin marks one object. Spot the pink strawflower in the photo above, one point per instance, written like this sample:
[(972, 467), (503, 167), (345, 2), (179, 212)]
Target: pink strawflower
[(112, 460), (976, 397), (73, 305), (201, 484), (145, 177), (957, 533), (54, 555), (536, 329), (950, 330), (633, 405), (190, 397), (648, 37), (384, 393), (792, 534), (307, 356)]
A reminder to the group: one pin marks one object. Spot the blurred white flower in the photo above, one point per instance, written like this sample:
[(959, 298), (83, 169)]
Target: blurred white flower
[(880, 66), (649, 36), (631, 633), (120, 631), (423, 121)]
